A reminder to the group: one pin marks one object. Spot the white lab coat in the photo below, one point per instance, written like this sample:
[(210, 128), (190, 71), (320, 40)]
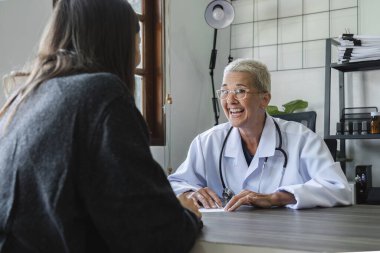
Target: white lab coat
[(311, 173)]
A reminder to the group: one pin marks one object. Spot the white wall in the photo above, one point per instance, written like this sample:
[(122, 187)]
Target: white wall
[(188, 44), (21, 25)]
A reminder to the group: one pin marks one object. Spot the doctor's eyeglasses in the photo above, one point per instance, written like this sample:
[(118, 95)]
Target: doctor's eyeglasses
[(239, 94)]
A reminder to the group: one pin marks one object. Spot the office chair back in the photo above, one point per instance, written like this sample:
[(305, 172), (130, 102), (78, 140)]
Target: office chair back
[(332, 144), (307, 118)]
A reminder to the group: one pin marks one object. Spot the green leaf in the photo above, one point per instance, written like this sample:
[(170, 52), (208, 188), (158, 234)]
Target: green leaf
[(295, 105), (273, 110)]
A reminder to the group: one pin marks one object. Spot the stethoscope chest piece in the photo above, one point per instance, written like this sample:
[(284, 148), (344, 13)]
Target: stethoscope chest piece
[(227, 195)]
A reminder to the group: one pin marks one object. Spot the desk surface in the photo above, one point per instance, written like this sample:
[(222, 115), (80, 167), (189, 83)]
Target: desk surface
[(338, 229)]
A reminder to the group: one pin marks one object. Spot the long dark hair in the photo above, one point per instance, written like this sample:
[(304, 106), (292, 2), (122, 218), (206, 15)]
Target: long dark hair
[(83, 36)]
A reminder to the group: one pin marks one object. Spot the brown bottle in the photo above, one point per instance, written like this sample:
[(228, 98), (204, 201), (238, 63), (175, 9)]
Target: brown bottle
[(375, 123)]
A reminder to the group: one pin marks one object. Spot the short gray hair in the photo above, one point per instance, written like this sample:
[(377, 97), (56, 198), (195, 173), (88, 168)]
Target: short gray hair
[(259, 72)]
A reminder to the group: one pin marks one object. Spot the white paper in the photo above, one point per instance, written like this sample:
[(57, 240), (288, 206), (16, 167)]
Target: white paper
[(211, 210)]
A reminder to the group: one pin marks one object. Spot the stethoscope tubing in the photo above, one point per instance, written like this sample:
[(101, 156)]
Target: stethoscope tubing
[(221, 155), (278, 148)]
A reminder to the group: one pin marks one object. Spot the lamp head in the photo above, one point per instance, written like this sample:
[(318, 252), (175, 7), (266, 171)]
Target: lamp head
[(219, 14)]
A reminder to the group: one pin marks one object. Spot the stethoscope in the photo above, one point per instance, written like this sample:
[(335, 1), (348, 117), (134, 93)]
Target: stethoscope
[(227, 192)]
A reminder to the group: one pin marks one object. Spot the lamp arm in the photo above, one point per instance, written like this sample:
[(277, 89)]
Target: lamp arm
[(213, 52), (215, 102)]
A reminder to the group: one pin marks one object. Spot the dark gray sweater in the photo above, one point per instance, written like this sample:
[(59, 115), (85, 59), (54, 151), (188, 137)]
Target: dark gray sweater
[(77, 175)]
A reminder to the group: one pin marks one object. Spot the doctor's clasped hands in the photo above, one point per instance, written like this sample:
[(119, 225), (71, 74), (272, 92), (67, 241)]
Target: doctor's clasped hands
[(206, 198)]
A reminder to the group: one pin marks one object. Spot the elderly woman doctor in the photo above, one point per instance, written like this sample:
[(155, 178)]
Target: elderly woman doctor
[(255, 159)]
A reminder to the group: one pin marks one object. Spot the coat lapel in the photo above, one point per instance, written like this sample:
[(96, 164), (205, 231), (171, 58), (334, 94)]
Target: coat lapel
[(267, 145)]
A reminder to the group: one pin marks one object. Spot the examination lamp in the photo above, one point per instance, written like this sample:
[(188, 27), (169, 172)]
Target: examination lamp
[(218, 14)]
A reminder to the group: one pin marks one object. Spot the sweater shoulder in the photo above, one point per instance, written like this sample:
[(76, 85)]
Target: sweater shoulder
[(94, 85)]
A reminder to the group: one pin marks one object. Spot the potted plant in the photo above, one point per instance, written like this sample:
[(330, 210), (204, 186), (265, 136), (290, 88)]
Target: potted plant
[(289, 107)]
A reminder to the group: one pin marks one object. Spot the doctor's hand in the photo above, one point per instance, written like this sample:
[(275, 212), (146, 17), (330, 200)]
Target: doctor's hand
[(189, 204), (247, 197), (204, 197)]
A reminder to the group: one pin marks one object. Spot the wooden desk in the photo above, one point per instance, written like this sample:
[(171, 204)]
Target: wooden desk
[(338, 229)]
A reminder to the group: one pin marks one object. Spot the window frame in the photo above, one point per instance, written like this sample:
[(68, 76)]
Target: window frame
[(152, 70)]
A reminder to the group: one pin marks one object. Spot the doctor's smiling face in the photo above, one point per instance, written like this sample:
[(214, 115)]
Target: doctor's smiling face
[(243, 104)]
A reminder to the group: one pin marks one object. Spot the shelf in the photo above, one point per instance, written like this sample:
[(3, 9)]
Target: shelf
[(339, 159), (347, 137), (342, 68), (356, 66)]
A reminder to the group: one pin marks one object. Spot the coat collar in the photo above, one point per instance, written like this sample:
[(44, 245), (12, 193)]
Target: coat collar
[(266, 146), (267, 143)]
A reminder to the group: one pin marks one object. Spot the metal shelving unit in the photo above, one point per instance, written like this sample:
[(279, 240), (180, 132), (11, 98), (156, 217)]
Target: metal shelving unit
[(342, 68)]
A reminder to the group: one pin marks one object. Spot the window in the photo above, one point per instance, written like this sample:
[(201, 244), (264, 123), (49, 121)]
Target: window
[(149, 74)]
